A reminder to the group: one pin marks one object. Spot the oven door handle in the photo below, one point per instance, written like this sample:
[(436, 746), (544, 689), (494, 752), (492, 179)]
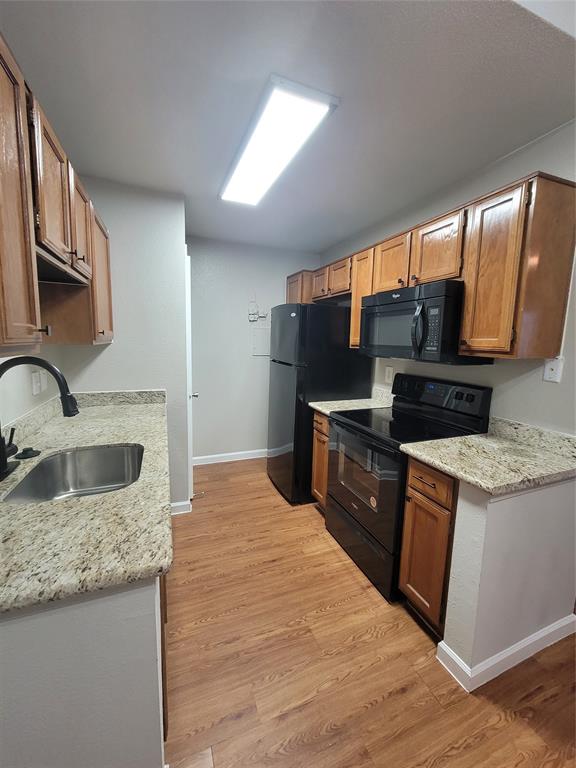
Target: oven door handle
[(417, 325), (373, 445)]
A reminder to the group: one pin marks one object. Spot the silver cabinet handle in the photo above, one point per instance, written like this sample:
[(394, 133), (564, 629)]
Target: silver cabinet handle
[(196, 394)]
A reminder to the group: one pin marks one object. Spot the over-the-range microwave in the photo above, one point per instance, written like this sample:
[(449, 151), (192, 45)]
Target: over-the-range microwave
[(419, 323)]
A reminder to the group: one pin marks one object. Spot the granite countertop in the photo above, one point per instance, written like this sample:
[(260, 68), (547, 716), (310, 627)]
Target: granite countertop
[(512, 457), (383, 400), (56, 549)]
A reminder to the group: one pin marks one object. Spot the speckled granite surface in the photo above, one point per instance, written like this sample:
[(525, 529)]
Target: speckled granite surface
[(327, 406), (53, 550), (512, 457)]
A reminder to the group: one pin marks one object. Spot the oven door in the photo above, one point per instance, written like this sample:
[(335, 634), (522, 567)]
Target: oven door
[(393, 330), (367, 479)]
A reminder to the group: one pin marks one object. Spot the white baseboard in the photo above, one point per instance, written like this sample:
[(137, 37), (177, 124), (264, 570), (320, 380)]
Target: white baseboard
[(180, 507), (471, 678), (217, 458)]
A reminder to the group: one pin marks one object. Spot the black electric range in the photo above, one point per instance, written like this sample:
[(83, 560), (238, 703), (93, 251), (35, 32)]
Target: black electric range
[(367, 470)]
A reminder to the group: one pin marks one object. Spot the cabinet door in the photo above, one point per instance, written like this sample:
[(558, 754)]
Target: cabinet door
[(320, 283), (424, 556), (19, 307), (52, 189), (320, 467), (294, 289), (391, 263), (339, 277), (362, 270), (100, 286), (436, 252), (81, 225), (491, 267)]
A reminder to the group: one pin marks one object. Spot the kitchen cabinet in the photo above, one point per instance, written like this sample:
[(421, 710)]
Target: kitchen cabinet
[(436, 249), (19, 307), (426, 541), (361, 285), (320, 453), (299, 288), (51, 187), (517, 265), (320, 283), (81, 225), (82, 314), (391, 263), (339, 276), (101, 282)]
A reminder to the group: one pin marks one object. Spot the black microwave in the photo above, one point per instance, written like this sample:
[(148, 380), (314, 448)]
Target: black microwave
[(418, 323)]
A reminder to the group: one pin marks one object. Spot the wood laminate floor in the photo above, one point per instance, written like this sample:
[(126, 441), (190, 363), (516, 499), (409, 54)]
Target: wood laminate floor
[(281, 653)]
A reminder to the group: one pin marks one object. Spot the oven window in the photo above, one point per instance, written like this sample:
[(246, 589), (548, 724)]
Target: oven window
[(390, 330)]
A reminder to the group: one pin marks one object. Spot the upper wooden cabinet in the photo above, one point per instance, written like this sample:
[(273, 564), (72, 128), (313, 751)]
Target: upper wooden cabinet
[(101, 283), (80, 218), (517, 265), (436, 249), (51, 186), (391, 263), (19, 309), (299, 288), (320, 283), (339, 276), (362, 271)]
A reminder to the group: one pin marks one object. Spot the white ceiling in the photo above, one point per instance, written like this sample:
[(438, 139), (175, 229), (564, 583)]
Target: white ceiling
[(159, 94)]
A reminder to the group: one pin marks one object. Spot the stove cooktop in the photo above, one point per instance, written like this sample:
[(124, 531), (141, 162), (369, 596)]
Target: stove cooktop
[(387, 425)]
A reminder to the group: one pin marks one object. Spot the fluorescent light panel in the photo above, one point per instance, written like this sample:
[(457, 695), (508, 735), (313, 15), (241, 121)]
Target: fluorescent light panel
[(291, 113)]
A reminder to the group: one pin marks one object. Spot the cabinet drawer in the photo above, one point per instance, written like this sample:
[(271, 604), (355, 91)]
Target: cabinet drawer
[(321, 423), (431, 483)]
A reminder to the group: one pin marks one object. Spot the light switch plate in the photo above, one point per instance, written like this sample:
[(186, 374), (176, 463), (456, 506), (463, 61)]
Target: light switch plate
[(553, 369), (388, 374)]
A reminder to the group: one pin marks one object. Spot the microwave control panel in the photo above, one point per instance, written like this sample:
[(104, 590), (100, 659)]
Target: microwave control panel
[(433, 335)]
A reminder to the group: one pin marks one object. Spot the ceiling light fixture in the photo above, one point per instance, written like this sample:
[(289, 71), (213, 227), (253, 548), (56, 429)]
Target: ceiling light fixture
[(287, 117)]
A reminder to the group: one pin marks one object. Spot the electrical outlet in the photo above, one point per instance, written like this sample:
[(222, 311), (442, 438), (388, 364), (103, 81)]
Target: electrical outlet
[(388, 374), (553, 369), (43, 381), (35, 383)]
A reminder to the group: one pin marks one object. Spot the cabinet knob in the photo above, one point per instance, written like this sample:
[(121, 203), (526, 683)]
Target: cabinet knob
[(414, 278), (46, 329), (73, 253), (101, 333), (463, 343), (400, 281), (80, 258)]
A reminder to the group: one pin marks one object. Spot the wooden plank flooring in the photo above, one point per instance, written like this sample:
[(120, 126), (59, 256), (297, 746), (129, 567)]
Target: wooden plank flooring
[(280, 652)]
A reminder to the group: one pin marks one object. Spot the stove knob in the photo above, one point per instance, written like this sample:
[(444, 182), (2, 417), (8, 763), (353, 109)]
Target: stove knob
[(470, 397)]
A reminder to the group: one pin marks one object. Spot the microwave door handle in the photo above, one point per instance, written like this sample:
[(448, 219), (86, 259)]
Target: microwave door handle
[(421, 327), (413, 330)]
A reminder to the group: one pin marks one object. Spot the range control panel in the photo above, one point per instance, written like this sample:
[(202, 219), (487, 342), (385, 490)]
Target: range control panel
[(449, 395)]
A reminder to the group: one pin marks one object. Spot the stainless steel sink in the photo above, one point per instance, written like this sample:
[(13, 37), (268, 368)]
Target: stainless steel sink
[(80, 472)]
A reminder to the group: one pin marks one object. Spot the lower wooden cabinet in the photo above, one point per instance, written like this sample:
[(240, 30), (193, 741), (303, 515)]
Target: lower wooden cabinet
[(426, 545), (320, 453)]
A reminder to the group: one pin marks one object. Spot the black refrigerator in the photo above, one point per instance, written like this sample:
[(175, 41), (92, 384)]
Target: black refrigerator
[(310, 360)]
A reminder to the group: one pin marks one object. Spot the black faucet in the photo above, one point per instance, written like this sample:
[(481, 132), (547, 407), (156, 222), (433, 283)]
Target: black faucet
[(69, 405)]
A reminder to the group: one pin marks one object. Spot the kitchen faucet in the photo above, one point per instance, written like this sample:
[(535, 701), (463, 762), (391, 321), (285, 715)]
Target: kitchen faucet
[(69, 405)]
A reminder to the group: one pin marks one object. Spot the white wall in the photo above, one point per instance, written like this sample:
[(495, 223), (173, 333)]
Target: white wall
[(231, 414), (148, 258), (16, 396), (519, 391)]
